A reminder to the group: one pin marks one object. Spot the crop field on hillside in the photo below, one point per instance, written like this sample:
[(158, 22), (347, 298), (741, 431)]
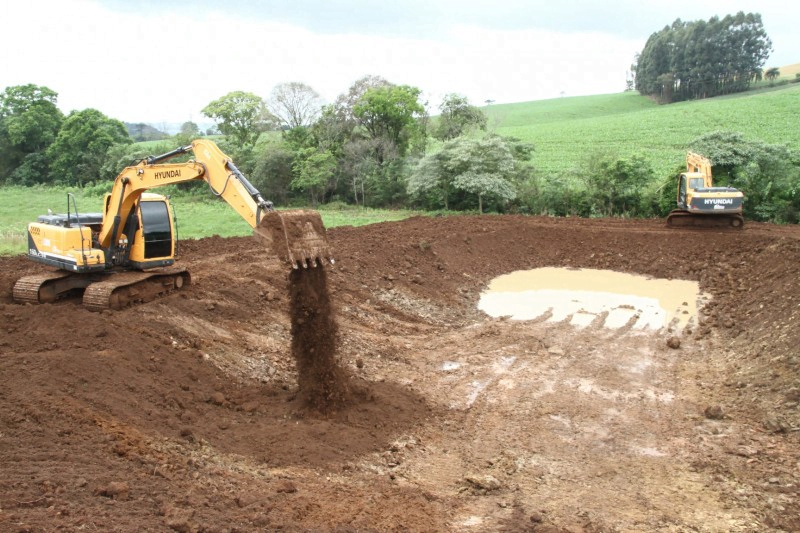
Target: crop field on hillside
[(628, 124)]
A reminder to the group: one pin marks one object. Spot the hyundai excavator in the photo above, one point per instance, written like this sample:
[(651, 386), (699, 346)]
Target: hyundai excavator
[(126, 254), (702, 204)]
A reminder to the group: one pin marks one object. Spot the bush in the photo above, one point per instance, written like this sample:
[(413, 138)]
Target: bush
[(98, 189)]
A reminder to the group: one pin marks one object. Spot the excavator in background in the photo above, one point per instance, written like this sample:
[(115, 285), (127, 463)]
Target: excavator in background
[(126, 254), (702, 204)]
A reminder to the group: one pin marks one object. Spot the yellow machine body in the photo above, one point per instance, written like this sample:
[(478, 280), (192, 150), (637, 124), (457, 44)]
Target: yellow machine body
[(700, 203)]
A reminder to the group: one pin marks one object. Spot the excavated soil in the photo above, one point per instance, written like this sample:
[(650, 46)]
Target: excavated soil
[(187, 413)]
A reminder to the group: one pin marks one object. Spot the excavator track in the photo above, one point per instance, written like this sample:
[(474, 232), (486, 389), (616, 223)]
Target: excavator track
[(124, 289), (48, 287), (679, 218)]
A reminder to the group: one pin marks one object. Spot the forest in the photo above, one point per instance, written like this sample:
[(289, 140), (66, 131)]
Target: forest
[(703, 59)]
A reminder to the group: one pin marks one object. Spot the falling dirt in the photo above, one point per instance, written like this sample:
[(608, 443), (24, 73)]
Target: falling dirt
[(323, 383), (189, 413)]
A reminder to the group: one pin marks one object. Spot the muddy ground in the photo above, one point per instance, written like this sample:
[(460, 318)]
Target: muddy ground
[(184, 414)]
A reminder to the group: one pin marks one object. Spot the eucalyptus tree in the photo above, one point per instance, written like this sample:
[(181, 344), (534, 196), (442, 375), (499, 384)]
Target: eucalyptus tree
[(703, 58)]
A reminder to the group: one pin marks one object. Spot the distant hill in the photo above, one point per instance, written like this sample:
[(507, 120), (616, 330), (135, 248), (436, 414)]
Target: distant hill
[(144, 132), (789, 71)]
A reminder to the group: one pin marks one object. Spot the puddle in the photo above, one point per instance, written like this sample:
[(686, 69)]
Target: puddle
[(584, 296)]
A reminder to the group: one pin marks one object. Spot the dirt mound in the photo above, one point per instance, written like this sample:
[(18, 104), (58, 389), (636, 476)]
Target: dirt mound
[(188, 413)]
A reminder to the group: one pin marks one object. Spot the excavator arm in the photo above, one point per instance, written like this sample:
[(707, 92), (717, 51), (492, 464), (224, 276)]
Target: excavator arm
[(296, 236), (696, 163), (210, 164)]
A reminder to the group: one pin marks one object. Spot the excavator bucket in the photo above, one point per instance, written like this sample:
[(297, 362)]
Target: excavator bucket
[(296, 236)]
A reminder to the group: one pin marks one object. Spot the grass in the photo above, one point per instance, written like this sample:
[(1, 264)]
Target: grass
[(20, 205), (204, 219)]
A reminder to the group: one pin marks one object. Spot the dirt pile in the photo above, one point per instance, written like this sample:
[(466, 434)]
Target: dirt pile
[(188, 413)]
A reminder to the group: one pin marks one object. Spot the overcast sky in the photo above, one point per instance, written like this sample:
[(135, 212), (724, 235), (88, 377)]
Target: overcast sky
[(163, 61)]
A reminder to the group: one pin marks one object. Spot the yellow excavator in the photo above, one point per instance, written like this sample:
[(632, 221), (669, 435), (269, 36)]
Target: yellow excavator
[(702, 204), (126, 254)]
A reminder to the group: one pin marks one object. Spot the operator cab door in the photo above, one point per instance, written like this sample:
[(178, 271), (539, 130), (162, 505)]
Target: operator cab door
[(153, 245), (682, 191)]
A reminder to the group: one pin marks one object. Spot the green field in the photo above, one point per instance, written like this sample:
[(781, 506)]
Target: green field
[(564, 131)]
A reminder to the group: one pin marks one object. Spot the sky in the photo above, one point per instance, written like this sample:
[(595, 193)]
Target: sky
[(163, 61)]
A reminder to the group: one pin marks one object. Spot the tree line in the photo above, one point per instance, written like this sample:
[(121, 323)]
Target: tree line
[(702, 59), (377, 146)]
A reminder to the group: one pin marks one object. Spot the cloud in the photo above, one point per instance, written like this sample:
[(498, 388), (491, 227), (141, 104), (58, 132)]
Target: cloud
[(163, 62)]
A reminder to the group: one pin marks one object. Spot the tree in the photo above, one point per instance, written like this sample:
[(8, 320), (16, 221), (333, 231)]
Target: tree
[(772, 74), (295, 104), (190, 129), (79, 152), (457, 118), (242, 115), (338, 131), (615, 185), (484, 167), (768, 174), (703, 58), (312, 174), (393, 113), (189, 132), (346, 102), (29, 123), (392, 121), (359, 167), (272, 174)]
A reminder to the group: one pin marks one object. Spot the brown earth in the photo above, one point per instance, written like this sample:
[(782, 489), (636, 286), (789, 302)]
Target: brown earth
[(185, 414)]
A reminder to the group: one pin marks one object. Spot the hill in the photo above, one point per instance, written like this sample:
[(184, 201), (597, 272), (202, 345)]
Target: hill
[(789, 72), (564, 131), (140, 131)]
